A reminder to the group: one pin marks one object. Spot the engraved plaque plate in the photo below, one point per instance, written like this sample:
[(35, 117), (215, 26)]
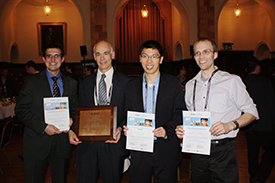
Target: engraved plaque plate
[(96, 123)]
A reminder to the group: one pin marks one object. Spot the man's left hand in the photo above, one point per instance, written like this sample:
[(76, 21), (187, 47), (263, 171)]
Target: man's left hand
[(221, 128), (117, 135), (159, 132)]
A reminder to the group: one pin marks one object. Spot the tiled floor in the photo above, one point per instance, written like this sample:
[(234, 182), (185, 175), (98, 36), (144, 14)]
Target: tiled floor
[(15, 174)]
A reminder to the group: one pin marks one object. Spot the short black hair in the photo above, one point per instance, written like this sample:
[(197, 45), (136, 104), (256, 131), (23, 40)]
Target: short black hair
[(32, 64), (151, 44), (251, 64), (53, 45)]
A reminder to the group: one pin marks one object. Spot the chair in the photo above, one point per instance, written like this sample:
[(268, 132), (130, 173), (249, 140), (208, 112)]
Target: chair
[(6, 128)]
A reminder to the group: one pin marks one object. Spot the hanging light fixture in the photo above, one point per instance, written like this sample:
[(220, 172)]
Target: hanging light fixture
[(144, 12), (237, 10), (47, 8)]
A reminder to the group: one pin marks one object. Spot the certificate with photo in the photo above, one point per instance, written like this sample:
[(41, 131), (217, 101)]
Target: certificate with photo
[(140, 136), (197, 138), (56, 112)]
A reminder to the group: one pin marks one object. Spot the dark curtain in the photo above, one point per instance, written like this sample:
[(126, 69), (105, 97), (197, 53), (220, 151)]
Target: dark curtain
[(132, 30)]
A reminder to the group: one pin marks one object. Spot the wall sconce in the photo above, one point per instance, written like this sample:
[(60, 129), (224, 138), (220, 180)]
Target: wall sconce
[(47, 8), (144, 12), (237, 10)]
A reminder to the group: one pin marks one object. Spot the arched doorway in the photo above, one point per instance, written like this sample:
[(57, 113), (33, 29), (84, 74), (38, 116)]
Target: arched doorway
[(262, 52), (178, 53), (14, 54)]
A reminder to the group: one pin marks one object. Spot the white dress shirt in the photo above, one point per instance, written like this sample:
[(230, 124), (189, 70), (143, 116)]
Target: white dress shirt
[(109, 82), (228, 98)]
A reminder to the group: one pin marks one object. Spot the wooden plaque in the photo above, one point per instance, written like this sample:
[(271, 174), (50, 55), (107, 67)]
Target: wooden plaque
[(96, 123)]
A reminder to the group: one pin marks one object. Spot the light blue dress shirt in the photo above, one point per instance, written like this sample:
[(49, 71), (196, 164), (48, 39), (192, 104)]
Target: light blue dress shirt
[(59, 81)]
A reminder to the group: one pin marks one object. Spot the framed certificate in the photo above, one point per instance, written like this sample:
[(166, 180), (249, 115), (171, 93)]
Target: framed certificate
[(96, 123)]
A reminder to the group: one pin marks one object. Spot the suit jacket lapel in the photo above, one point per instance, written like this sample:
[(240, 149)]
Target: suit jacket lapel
[(65, 85), (45, 83), (139, 94), (116, 88)]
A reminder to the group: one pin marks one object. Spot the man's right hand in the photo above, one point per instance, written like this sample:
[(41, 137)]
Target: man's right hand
[(125, 129), (179, 131), (73, 138), (52, 130)]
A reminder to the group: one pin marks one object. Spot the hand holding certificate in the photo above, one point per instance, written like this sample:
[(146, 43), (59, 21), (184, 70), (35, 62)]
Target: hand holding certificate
[(197, 138), (56, 112), (140, 136)]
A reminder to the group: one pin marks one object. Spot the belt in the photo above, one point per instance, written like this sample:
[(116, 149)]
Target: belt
[(220, 142)]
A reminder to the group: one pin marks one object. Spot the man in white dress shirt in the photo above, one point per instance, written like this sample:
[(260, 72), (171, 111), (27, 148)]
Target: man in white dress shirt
[(225, 96)]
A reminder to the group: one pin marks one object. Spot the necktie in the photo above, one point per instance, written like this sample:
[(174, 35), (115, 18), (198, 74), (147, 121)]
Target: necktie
[(102, 94), (56, 91)]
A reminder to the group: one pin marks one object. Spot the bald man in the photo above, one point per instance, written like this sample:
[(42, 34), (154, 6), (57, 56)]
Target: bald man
[(104, 157)]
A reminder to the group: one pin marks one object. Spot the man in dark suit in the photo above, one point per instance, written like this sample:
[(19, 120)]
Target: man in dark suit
[(45, 142), (259, 133), (7, 85), (161, 94), (104, 157)]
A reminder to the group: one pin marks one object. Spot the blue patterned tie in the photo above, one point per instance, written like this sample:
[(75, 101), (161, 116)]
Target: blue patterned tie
[(102, 94), (56, 91)]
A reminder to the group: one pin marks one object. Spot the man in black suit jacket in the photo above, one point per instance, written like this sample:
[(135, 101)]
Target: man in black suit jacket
[(44, 142), (259, 133), (7, 85), (166, 90), (104, 157)]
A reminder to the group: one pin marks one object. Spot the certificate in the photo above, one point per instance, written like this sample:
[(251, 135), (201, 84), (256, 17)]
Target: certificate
[(96, 123), (56, 112), (197, 138), (140, 136)]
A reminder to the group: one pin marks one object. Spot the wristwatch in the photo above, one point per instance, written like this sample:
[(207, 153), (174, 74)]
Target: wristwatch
[(236, 124)]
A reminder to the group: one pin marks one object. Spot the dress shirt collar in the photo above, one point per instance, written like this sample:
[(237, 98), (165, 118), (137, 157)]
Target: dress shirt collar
[(109, 75), (199, 78)]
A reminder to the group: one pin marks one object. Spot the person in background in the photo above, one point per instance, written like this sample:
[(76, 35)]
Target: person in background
[(99, 157), (7, 85), (88, 70), (231, 107), (31, 67), (69, 70), (260, 132), (160, 94), (182, 76), (42, 142)]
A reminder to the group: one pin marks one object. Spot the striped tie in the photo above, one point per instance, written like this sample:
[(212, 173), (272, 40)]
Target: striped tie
[(56, 91), (102, 94)]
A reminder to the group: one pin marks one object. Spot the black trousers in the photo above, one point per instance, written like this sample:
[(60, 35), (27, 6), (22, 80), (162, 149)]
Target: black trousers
[(35, 170), (151, 164), (98, 159), (256, 140), (220, 166)]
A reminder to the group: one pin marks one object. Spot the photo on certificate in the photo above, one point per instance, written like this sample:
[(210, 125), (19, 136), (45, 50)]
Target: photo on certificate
[(140, 136), (197, 138), (56, 112)]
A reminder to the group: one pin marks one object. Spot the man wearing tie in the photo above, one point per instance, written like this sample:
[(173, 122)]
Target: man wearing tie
[(104, 87), (43, 142)]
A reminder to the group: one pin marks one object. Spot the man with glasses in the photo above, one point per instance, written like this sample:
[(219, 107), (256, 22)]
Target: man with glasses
[(160, 94), (104, 87), (44, 143), (231, 107)]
